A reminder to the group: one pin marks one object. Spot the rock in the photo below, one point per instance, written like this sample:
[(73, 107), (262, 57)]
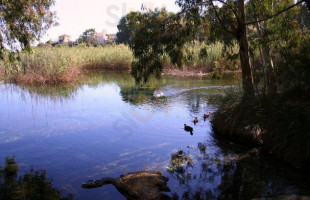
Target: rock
[(179, 170), (143, 185), (254, 152), (202, 147)]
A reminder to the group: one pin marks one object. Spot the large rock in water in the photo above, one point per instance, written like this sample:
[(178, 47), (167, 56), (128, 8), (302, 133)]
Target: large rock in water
[(143, 185)]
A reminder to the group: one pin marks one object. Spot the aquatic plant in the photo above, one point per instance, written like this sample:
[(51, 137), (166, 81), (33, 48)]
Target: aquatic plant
[(32, 185)]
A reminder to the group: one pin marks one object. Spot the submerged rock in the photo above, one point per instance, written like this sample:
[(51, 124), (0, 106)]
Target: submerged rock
[(135, 186)]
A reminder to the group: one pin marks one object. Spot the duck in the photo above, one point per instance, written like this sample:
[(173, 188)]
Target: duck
[(195, 120), (188, 128), (159, 94), (205, 116)]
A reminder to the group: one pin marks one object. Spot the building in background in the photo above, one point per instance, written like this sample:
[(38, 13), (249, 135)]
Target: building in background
[(111, 37), (64, 39), (101, 37)]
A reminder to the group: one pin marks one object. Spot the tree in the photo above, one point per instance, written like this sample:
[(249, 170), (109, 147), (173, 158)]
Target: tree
[(88, 37), (153, 38), (124, 32), (157, 39), (227, 22), (265, 36), (22, 22)]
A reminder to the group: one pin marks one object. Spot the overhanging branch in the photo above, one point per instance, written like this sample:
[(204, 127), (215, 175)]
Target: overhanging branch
[(274, 15)]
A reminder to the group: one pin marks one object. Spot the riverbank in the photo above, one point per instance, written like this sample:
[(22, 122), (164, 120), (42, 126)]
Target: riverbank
[(279, 127), (53, 65)]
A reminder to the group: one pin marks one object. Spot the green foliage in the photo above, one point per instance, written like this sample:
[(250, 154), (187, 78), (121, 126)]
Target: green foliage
[(294, 69), (303, 17), (159, 33), (126, 26), (23, 22), (64, 64), (88, 37), (46, 62)]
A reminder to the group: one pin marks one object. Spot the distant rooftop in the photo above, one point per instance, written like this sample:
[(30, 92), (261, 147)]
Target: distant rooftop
[(64, 35)]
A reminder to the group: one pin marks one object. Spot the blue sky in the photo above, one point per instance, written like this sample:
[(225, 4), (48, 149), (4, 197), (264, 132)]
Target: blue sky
[(75, 16)]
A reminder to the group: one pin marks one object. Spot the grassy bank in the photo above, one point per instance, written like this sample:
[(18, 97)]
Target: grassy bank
[(280, 127), (64, 64)]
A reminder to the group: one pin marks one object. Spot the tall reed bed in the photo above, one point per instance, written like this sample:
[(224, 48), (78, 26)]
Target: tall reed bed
[(206, 57), (62, 64)]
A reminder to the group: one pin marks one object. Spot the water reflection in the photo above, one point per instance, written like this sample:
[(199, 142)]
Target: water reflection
[(219, 169), (32, 185), (137, 95), (107, 126)]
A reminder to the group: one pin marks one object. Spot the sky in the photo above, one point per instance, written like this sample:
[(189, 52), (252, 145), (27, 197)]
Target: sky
[(75, 16)]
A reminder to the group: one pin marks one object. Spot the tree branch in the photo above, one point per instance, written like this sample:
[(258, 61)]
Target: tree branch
[(221, 22), (271, 16), (229, 6)]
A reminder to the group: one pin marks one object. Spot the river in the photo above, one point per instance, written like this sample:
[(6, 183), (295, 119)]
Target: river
[(105, 126)]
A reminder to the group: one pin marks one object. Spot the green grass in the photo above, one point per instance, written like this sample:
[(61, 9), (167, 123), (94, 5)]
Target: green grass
[(200, 57), (64, 64)]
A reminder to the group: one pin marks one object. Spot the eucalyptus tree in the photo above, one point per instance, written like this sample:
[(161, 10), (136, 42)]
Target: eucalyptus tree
[(227, 22), (22, 22), (169, 35), (269, 34), (126, 26), (276, 36)]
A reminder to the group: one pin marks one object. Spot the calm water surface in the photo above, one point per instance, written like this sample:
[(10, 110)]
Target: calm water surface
[(105, 126)]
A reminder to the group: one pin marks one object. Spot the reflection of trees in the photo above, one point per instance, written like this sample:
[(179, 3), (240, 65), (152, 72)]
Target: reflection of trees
[(136, 95), (193, 100), (33, 185), (218, 173), (130, 92), (57, 92), (142, 95)]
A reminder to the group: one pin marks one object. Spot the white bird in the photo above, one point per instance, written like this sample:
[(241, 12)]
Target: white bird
[(159, 94)]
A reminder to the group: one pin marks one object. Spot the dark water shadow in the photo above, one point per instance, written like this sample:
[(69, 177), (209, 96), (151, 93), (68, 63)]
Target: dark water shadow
[(32, 185), (223, 170)]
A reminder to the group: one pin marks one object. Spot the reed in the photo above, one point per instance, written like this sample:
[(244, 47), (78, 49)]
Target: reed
[(62, 64)]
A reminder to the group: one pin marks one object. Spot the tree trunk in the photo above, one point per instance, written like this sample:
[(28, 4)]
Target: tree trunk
[(263, 59), (270, 73), (308, 4), (247, 79), (264, 71)]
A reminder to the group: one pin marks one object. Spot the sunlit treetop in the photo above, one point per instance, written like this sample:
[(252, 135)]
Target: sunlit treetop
[(22, 22)]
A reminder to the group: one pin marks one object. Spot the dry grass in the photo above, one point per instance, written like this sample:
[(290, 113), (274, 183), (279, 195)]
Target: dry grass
[(62, 64)]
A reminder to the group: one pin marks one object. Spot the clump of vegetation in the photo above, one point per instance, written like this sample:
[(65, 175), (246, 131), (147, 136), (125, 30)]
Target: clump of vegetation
[(279, 126), (32, 185), (64, 64), (207, 58), (273, 51)]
